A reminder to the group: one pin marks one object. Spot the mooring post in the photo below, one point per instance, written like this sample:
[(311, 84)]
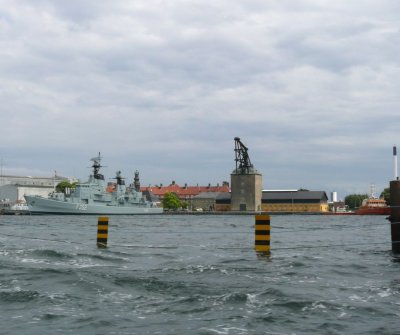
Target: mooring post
[(395, 215), (262, 234), (102, 232)]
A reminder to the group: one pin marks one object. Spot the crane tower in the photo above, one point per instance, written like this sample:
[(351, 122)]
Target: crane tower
[(246, 181)]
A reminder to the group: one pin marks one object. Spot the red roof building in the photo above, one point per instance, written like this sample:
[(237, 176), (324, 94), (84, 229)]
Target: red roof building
[(184, 192)]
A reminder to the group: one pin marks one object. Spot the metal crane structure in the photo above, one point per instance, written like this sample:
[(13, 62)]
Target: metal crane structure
[(242, 159)]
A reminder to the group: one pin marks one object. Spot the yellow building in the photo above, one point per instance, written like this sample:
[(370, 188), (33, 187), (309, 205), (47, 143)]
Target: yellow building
[(287, 201), (294, 201)]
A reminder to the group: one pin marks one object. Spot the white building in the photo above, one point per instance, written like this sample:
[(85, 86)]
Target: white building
[(13, 188)]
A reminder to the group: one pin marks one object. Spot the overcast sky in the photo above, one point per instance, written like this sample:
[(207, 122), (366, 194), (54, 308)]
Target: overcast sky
[(311, 88)]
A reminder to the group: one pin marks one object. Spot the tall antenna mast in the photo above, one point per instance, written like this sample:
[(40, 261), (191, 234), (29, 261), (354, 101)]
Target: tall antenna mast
[(396, 176)]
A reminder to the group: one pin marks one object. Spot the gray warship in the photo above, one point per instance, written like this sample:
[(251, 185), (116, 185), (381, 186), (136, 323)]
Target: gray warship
[(92, 197)]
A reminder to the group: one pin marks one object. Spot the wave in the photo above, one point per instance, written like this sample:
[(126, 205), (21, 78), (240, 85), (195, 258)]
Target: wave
[(234, 298), (52, 254), (18, 296), (151, 284)]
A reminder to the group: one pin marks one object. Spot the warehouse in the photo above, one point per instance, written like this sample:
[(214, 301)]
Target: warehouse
[(283, 201), (294, 201)]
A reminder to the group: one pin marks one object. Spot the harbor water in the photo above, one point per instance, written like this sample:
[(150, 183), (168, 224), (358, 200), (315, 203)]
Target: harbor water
[(198, 274)]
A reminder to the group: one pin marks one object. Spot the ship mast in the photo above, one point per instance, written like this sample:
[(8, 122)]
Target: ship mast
[(396, 176), (372, 190), (119, 178), (137, 181), (96, 167)]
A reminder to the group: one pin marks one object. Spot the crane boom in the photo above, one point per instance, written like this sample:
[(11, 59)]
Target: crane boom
[(242, 159)]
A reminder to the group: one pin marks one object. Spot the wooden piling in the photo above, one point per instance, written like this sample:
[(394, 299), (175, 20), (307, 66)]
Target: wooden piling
[(395, 215)]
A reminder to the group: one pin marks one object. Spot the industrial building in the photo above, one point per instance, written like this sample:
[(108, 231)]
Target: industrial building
[(294, 201), (283, 201), (13, 188), (223, 202)]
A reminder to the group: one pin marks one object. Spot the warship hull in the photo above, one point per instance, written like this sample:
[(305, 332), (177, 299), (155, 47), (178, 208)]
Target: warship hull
[(38, 205), (92, 197)]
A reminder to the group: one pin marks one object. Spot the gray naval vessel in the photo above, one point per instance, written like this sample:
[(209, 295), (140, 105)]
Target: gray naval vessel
[(92, 197)]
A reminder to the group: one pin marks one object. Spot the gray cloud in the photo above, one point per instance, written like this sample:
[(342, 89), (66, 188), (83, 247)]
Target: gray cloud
[(312, 89)]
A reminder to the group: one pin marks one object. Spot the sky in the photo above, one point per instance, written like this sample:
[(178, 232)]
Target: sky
[(163, 87)]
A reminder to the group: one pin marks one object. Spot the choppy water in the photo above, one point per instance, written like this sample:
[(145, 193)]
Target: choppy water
[(197, 275)]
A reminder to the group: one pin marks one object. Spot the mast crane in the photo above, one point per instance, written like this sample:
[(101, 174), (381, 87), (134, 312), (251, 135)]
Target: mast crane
[(242, 159)]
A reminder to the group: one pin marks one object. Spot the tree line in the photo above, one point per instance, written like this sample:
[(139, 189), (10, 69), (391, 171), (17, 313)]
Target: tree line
[(354, 201)]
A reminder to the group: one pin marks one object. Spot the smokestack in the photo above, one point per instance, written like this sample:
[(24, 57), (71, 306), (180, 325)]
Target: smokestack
[(395, 163)]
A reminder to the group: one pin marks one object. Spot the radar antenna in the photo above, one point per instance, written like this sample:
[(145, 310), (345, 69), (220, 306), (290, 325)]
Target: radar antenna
[(242, 159), (119, 178), (96, 167)]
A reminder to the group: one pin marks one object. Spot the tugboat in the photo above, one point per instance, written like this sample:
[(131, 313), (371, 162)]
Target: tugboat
[(373, 205), (91, 197)]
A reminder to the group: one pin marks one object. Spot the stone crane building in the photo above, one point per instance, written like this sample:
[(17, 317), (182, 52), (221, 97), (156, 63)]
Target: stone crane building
[(246, 182)]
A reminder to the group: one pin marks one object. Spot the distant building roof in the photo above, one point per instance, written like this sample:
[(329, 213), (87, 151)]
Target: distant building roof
[(294, 196), (223, 198), (284, 196), (29, 180), (280, 190), (185, 191), (207, 195)]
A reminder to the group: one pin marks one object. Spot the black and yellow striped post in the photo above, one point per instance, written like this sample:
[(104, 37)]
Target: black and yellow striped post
[(262, 234), (102, 232)]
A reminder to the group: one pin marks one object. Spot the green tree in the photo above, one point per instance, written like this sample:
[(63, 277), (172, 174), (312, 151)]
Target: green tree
[(354, 200), (61, 186), (171, 201), (386, 195)]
